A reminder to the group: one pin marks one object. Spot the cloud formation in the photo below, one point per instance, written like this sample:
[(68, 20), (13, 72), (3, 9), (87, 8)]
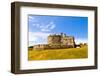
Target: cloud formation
[(40, 36), (32, 19), (48, 27), (42, 26), (37, 38), (45, 27), (81, 40)]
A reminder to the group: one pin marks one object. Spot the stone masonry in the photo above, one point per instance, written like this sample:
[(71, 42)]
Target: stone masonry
[(56, 41)]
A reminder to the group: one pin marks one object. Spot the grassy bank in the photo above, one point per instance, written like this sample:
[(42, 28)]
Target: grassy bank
[(70, 53)]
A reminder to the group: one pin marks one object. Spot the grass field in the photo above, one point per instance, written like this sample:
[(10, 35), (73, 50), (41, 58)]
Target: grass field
[(70, 53)]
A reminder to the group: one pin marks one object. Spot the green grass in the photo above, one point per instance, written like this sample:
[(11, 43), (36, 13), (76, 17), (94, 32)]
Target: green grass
[(70, 53)]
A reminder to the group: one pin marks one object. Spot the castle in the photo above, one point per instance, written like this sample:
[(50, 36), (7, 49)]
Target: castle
[(56, 41)]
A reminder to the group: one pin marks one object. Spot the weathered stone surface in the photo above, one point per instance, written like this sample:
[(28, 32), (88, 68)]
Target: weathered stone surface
[(57, 42), (56, 39), (41, 47)]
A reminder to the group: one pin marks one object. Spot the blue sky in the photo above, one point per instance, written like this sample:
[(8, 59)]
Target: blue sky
[(40, 26)]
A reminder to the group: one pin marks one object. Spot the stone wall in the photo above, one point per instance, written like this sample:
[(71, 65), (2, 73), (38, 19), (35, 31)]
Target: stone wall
[(55, 46), (54, 39), (41, 47), (57, 42), (68, 41)]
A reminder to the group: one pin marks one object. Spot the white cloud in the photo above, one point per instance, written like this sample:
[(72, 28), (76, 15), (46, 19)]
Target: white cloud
[(48, 27), (36, 25), (43, 26), (78, 41), (37, 38), (32, 19)]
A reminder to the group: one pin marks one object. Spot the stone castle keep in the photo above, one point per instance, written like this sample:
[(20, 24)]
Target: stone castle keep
[(56, 41)]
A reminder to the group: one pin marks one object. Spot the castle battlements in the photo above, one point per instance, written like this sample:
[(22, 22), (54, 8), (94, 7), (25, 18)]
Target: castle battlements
[(57, 41)]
